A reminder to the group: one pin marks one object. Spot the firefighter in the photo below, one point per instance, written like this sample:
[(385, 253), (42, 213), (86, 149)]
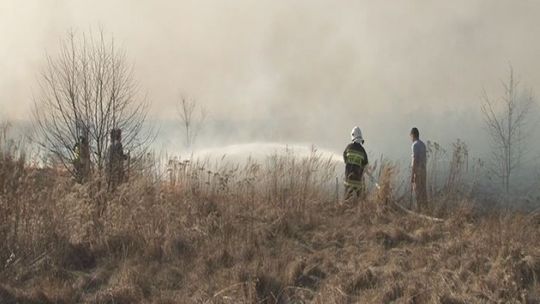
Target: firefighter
[(81, 161), (115, 160), (418, 172), (356, 160)]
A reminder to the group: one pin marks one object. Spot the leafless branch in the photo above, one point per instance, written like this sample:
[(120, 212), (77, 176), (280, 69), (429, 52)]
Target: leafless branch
[(192, 118), (87, 90), (506, 120)]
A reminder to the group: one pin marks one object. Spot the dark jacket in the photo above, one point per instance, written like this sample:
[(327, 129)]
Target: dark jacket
[(356, 160), (115, 161)]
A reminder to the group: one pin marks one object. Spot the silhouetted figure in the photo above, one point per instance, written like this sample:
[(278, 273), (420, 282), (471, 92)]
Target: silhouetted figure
[(81, 161), (356, 160), (419, 171), (115, 160)]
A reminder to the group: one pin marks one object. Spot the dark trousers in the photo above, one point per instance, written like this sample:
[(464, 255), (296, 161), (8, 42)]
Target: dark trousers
[(420, 189), (355, 192)]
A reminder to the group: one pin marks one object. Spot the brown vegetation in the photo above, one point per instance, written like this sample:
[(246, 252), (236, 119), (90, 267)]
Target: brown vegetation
[(257, 233)]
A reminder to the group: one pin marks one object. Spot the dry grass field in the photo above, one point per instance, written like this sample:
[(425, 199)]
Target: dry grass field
[(255, 233)]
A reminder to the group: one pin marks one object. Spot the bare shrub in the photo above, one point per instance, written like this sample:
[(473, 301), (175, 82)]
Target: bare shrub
[(507, 121), (192, 118), (86, 91)]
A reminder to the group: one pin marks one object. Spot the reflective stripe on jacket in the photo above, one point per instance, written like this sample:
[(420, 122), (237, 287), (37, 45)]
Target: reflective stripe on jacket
[(355, 158)]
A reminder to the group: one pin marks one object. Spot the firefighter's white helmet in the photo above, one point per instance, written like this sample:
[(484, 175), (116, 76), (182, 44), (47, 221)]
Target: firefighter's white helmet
[(356, 135)]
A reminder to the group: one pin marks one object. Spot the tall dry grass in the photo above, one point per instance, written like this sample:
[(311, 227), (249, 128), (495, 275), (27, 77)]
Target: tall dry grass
[(269, 232)]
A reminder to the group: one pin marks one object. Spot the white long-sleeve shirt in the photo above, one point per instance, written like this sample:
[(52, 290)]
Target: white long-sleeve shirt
[(419, 154)]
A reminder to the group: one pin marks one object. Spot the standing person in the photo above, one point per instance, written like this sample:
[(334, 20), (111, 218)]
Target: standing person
[(419, 174), (115, 160), (77, 163), (355, 158), (81, 162)]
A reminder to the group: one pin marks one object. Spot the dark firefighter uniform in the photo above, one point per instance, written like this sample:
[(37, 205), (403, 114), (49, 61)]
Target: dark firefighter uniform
[(81, 161), (356, 160), (115, 160)]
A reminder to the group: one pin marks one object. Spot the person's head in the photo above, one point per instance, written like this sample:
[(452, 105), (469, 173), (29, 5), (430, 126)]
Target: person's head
[(356, 135), (83, 140), (415, 134)]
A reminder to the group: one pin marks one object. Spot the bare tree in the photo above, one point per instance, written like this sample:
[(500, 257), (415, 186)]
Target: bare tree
[(192, 118), (507, 124), (86, 91)]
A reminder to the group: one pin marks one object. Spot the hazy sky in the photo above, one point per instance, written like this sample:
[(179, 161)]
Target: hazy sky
[(299, 71)]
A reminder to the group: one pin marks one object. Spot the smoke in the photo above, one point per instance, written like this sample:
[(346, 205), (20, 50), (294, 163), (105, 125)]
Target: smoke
[(295, 71)]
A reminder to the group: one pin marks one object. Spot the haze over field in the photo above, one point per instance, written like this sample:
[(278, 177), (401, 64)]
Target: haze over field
[(296, 72), (95, 210)]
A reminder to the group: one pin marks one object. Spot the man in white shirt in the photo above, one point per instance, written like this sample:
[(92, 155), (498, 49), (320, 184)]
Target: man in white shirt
[(419, 174)]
